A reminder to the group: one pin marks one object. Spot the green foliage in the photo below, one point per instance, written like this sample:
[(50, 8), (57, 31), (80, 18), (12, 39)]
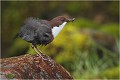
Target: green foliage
[(19, 46), (89, 64), (10, 76), (85, 23), (112, 29), (78, 7), (112, 73)]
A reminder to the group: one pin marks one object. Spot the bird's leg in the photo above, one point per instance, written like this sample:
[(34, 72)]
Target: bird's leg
[(39, 50), (34, 47)]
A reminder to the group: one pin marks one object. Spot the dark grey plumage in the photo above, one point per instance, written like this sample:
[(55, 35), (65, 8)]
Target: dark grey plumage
[(36, 31), (40, 32)]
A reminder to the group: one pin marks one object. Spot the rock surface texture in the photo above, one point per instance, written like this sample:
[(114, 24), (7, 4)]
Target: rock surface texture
[(32, 67)]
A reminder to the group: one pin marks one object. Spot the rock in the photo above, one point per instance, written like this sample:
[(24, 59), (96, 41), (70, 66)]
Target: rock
[(32, 67)]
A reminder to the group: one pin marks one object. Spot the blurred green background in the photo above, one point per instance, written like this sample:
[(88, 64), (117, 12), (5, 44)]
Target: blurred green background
[(87, 48)]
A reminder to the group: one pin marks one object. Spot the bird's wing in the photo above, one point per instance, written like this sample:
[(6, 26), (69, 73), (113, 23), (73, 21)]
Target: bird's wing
[(32, 22), (27, 33), (35, 28), (44, 33), (28, 30)]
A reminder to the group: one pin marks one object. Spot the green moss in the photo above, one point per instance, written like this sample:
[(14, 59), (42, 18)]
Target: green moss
[(111, 73), (10, 76)]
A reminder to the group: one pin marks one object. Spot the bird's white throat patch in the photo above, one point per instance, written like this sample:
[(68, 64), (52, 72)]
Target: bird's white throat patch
[(56, 30)]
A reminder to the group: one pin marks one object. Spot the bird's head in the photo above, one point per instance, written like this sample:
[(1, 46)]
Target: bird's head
[(58, 23), (60, 20)]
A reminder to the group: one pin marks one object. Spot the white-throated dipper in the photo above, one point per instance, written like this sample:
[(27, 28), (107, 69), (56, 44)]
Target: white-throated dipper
[(42, 32)]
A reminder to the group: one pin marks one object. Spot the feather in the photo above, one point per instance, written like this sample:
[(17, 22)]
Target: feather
[(56, 30)]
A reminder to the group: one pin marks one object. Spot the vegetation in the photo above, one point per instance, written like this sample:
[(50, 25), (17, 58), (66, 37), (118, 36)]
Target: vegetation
[(88, 48), (10, 76)]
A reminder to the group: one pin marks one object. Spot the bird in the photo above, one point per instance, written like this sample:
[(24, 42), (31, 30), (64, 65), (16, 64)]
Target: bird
[(42, 32)]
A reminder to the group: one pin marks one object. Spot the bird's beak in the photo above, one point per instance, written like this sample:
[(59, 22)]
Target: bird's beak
[(70, 20)]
